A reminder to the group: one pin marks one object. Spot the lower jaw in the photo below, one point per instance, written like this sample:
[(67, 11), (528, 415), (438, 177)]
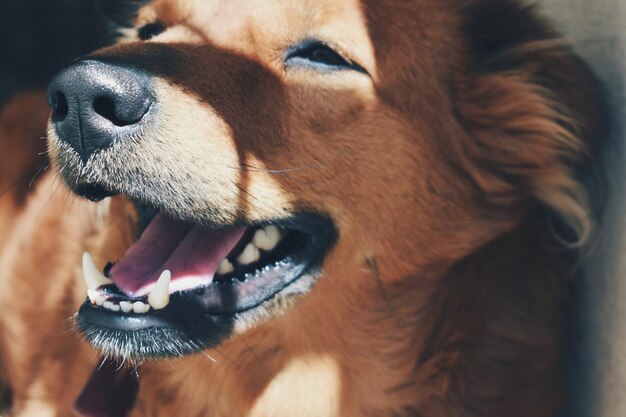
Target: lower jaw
[(112, 387), (139, 337), (185, 327), (150, 339)]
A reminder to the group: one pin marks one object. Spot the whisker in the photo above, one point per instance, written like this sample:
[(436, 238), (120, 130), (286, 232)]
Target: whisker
[(253, 352), (238, 194), (251, 168), (265, 206), (211, 358), (104, 360), (373, 266), (19, 181), (228, 358), (56, 182), (121, 364), (32, 181)]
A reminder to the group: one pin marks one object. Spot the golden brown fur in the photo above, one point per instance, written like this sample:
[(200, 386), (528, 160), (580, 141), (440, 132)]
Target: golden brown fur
[(39, 295), (446, 293)]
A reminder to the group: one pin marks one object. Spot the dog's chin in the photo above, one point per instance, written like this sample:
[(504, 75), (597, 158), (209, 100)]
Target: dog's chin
[(182, 288), (154, 340)]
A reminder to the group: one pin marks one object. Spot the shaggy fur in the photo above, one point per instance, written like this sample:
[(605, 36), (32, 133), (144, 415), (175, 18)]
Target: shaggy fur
[(449, 169)]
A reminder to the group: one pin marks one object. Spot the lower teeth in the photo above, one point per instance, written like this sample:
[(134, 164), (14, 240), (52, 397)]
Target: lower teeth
[(103, 297)]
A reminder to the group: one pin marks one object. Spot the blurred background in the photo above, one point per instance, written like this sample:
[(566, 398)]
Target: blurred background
[(38, 37), (597, 29)]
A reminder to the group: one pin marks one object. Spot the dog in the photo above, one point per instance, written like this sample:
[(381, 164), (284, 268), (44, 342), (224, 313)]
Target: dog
[(349, 208)]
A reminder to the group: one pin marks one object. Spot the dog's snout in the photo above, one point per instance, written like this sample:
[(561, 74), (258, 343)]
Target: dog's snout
[(94, 104)]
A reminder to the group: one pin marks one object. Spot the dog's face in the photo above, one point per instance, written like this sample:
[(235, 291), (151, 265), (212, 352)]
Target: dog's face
[(282, 143), (286, 160)]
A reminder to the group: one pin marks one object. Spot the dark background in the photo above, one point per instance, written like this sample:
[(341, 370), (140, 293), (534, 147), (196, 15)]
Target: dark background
[(39, 37)]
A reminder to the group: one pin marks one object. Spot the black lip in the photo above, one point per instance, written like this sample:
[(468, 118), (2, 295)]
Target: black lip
[(205, 316)]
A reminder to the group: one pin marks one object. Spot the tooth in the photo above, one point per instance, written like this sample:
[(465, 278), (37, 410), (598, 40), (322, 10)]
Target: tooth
[(250, 254), (100, 299), (111, 306), (126, 306), (92, 294), (140, 308), (93, 278), (159, 298), (225, 267), (267, 238), (96, 297)]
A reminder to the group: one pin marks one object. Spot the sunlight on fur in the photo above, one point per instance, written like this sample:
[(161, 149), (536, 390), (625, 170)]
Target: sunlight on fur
[(320, 208), (307, 386)]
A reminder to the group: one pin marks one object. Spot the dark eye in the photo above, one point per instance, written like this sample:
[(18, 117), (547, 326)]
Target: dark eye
[(150, 30), (318, 55)]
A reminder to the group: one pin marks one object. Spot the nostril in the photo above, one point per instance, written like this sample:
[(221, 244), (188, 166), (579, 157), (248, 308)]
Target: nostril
[(105, 107), (94, 103), (59, 107)]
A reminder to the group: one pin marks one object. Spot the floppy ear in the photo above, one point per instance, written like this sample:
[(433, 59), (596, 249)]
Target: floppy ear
[(120, 12), (532, 111)]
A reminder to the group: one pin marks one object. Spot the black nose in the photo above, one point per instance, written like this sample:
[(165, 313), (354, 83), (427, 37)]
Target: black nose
[(95, 104)]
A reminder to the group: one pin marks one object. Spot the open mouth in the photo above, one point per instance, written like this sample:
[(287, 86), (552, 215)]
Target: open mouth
[(180, 287)]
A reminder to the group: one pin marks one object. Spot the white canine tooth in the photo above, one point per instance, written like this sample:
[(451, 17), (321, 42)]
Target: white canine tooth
[(92, 294), (267, 238), (93, 278), (126, 306), (96, 297), (111, 306), (250, 254), (100, 299), (140, 308), (225, 267), (159, 298)]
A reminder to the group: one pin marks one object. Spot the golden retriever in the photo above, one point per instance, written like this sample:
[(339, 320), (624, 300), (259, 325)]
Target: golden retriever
[(304, 208)]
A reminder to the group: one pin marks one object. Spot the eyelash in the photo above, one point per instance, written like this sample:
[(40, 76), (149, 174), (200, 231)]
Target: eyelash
[(150, 30), (318, 55)]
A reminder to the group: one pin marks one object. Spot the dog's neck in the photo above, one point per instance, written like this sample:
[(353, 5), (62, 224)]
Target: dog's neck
[(495, 329), (486, 333)]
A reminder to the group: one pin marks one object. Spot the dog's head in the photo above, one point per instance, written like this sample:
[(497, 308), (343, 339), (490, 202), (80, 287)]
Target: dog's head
[(284, 159)]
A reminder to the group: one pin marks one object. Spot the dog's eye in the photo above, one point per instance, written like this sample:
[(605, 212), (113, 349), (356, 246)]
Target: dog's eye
[(150, 30), (318, 55)]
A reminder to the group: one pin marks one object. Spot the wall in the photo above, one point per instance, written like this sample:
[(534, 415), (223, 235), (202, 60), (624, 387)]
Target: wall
[(38, 37), (598, 31)]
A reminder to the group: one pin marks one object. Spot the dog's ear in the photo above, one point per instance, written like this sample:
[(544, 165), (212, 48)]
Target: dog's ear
[(532, 112), (121, 12)]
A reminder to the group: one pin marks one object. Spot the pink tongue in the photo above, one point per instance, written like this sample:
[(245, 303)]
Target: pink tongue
[(191, 253)]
